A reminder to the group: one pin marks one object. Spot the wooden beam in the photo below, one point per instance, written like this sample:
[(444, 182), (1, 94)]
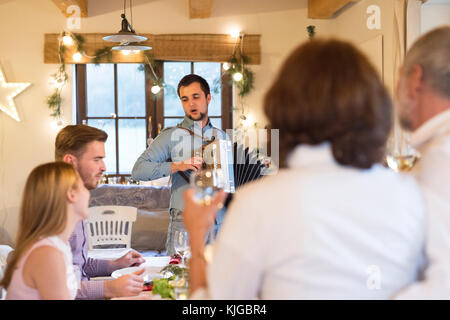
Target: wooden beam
[(200, 9), (325, 9), (64, 4), (173, 47)]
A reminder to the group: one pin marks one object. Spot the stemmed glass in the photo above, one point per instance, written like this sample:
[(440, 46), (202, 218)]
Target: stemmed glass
[(181, 244), (400, 155), (206, 183)]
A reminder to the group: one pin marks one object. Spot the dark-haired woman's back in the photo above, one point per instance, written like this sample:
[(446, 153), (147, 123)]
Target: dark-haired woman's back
[(318, 230)]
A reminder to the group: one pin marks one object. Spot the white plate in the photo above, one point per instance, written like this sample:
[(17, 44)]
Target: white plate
[(152, 264), (121, 272), (149, 274)]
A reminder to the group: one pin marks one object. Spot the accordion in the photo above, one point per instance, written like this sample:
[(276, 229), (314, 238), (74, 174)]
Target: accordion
[(218, 155)]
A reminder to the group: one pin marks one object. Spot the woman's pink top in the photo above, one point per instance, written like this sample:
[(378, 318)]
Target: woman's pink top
[(18, 290)]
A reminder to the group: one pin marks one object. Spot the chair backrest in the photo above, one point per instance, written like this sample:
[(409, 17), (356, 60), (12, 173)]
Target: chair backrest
[(110, 226)]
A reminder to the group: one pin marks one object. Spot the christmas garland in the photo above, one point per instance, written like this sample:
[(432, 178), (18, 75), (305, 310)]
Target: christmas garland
[(60, 77)]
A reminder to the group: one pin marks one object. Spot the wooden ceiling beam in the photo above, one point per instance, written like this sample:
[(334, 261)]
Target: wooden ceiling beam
[(64, 4), (200, 9), (325, 9)]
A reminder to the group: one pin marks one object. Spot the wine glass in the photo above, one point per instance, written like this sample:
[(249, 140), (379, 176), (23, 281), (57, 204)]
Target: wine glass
[(181, 244), (206, 183), (400, 155), (181, 286)]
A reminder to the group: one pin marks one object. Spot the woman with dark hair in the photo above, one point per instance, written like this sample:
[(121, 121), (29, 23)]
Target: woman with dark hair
[(333, 223)]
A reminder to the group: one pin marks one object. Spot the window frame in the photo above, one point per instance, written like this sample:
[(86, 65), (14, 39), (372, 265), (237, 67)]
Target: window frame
[(154, 104)]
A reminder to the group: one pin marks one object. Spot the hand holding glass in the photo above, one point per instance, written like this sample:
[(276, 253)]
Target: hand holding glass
[(206, 183)]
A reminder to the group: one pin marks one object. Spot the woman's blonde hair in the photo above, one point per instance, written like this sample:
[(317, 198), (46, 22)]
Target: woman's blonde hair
[(43, 211)]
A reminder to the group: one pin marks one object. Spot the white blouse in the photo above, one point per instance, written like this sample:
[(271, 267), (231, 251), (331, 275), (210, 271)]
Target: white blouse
[(319, 230), (432, 171)]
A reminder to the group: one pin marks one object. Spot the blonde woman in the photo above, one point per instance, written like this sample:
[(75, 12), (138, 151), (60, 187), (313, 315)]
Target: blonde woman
[(54, 200)]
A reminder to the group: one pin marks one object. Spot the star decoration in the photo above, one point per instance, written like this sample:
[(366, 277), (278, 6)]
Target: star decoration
[(8, 91)]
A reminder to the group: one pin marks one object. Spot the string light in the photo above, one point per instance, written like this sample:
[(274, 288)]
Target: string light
[(235, 33), (67, 40), (57, 83), (156, 89), (248, 121), (238, 76), (226, 66), (57, 123), (77, 57)]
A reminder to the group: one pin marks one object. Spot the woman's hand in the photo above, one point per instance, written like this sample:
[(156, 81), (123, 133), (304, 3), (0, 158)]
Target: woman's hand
[(198, 217)]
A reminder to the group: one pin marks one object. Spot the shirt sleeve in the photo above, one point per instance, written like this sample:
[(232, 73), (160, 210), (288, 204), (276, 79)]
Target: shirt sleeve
[(242, 267), (154, 163), (97, 268), (90, 290)]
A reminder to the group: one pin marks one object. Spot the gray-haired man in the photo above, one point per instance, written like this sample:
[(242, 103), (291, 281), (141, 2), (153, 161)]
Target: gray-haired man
[(424, 99)]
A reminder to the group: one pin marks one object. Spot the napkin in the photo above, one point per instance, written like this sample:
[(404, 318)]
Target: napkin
[(148, 287), (175, 259)]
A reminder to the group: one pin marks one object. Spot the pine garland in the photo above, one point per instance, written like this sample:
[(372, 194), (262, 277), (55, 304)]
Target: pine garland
[(311, 31), (238, 63)]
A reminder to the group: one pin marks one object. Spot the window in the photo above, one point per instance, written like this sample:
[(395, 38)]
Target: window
[(117, 99)]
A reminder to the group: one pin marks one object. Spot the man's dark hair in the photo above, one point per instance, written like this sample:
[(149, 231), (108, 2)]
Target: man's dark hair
[(191, 78), (74, 138)]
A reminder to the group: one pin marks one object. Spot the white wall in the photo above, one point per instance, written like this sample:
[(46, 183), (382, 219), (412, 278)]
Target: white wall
[(351, 25), (25, 144), (435, 13)]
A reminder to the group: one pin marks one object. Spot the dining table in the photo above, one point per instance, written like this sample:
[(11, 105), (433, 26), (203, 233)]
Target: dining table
[(153, 266)]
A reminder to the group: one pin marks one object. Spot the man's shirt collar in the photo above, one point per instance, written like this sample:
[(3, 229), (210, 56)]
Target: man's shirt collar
[(188, 123)]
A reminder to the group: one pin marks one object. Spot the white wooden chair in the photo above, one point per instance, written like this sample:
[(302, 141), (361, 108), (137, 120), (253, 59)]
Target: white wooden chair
[(109, 231)]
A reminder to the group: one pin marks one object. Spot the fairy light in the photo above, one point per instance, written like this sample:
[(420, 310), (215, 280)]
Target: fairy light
[(238, 76), (235, 33), (156, 89), (226, 66), (77, 57), (57, 123), (67, 40), (248, 121), (56, 83)]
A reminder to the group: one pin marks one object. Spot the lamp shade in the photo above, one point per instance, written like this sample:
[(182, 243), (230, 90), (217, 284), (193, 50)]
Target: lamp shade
[(124, 37), (131, 46)]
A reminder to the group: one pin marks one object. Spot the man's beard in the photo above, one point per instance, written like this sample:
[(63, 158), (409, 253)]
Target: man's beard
[(202, 116)]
